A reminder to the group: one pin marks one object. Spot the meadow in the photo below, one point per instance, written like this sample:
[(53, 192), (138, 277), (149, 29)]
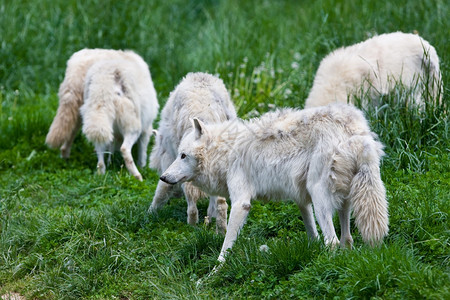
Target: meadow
[(67, 233)]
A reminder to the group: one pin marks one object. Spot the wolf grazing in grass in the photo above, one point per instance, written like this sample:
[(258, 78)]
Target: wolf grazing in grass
[(198, 95), (374, 67), (67, 121), (120, 105), (324, 157)]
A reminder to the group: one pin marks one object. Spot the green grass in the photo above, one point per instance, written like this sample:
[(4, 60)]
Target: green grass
[(66, 233)]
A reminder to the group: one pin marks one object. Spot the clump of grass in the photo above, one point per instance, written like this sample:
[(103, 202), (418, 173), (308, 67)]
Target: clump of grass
[(259, 89), (202, 243), (258, 271), (22, 118), (407, 129), (274, 219), (387, 272)]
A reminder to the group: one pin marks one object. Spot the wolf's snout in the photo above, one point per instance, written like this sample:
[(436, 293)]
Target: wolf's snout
[(166, 179)]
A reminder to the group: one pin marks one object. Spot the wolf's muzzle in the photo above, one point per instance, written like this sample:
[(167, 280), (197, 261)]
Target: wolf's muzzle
[(166, 179)]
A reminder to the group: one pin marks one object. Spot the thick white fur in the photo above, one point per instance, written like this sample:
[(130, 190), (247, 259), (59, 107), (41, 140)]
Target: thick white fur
[(325, 156), (197, 95), (374, 67), (67, 121), (120, 105)]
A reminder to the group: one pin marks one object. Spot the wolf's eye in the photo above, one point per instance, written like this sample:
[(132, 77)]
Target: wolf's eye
[(183, 156)]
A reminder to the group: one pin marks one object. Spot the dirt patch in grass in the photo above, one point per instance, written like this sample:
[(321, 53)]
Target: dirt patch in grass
[(12, 296)]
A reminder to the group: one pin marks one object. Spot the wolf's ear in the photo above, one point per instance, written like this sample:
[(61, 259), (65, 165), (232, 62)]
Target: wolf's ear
[(199, 128)]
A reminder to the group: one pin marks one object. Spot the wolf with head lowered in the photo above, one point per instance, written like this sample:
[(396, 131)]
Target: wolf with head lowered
[(324, 158)]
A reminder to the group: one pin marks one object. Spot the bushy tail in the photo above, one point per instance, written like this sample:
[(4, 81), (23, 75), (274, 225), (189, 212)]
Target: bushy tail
[(67, 118), (367, 192), (98, 114)]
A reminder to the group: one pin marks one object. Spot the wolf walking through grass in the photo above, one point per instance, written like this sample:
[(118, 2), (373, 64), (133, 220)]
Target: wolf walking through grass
[(325, 157)]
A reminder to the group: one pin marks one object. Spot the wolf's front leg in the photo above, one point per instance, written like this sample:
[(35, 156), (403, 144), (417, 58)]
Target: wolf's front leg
[(162, 194), (239, 212)]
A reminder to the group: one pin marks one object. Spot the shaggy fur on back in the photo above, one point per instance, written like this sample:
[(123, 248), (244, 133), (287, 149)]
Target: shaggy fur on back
[(325, 156), (374, 67)]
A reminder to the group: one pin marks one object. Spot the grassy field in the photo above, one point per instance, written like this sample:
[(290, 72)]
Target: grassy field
[(66, 233)]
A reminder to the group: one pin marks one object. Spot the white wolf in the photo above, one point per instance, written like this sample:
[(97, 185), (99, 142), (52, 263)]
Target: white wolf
[(67, 121), (120, 105), (197, 95), (374, 67), (325, 156)]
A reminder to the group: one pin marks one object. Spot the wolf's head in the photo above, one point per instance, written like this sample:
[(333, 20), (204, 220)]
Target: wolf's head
[(185, 166)]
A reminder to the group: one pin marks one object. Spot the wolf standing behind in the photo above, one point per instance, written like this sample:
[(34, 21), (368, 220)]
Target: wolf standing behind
[(197, 95), (375, 66), (67, 121), (119, 107), (325, 156)]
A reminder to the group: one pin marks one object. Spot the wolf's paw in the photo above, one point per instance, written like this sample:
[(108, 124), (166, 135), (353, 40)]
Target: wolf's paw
[(216, 268), (65, 152), (152, 209), (101, 169), (138, 177), (142, 163), (192, 216), (332, 244)]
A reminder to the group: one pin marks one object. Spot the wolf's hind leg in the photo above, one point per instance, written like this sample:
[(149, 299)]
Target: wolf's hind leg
[(212, 207), (308, 219), (344, 220), (142, 147), (322, 200), (110, 150), (128, 141), (100, 149), (192, 195), (162, 194), (218, 209)]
